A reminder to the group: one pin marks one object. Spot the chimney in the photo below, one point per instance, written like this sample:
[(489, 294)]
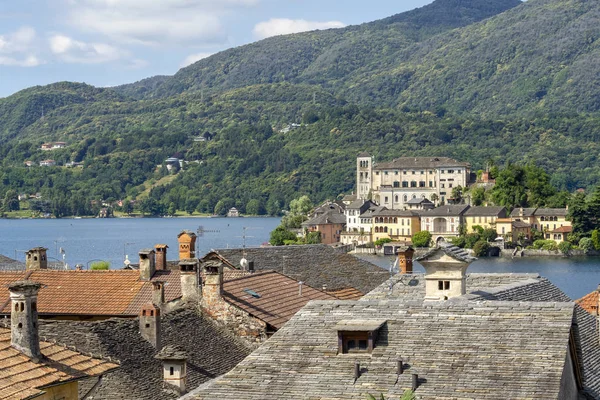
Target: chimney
[(251, 266), (36, 259), (188, 270), (161, 256), (212, 289), (446, 273), (405, 260), (415, 382), (521, 212), (146, 264), (24, 318), (187, 245), (158, 293), (174, 368), (300, 288), (150, 324)]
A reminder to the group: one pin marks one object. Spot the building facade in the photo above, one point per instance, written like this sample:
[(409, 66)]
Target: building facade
[(394, 184)]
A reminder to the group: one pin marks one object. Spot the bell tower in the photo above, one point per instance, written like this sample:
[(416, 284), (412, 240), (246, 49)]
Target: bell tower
[(364, 175)]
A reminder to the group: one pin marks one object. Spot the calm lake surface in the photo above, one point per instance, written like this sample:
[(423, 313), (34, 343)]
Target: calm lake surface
[(86, 240)]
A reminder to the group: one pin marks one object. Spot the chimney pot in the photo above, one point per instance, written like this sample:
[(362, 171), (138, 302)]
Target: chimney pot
[(251, 266), (150, 324), (158, 293), (36, 258), (300, 288), (400, 366), (161, 256), (147, 264), (24, 318), (356, 370)]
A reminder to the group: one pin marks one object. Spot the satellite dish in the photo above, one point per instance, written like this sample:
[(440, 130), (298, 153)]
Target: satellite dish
[(244, 263)]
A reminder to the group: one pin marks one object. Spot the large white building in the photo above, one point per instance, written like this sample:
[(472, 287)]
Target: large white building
[(394, 183)]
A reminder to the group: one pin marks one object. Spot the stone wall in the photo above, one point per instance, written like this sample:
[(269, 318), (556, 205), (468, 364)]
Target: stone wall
[(239, 322)]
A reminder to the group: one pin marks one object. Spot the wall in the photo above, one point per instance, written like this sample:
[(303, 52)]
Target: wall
[(67, 391)]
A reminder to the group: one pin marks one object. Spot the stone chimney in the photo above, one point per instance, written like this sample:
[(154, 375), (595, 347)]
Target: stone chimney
[(24, 318), (174, 368), (150, 324), (212, 288), (521, 212), (161, 256), (187, 245), (188, 269), (405, 260), (147, 266), (36, 259), (158, 293), (445, 272)]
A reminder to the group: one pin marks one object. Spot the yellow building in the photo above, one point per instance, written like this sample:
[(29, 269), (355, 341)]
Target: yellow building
[(545, 220), (483, 216), (511, 230), (398, 225)]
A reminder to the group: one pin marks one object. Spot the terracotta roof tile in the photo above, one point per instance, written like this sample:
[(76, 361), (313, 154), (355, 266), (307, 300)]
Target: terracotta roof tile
[(279, 296), (563, 229), (589, 302), (105, 293), (22, 378)]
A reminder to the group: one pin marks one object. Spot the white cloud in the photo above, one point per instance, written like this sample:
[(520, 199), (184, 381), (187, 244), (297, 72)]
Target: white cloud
[(284, 26), (18, 48), (192, 58), (155, 22), (73, 51)]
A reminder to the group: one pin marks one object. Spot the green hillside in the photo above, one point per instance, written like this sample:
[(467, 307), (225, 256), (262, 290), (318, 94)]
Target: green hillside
[(514, 87)]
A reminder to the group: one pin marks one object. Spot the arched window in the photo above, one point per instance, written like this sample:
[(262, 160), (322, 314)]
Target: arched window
[(385, 229), (396, 199), (395, 220), (22, 306), (405, 198), (376, 229), (414, 196), (385, 220), (143, 313)]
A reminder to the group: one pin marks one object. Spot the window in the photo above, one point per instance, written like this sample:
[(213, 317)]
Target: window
[(443, 185), (396, 198), (171, 371), (395, 172), (430, 183), (442, 171), (386, 199), (413, 172), (450, 171), (444, 285), (422, 184), (404, 184), (377, 173), (396, 184), (413, 184), (422, 172), (405, 197), (449, 185), (385, 173), (404, 172)]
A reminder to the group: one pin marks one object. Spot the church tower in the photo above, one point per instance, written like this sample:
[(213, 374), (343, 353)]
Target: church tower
[(364, 175)]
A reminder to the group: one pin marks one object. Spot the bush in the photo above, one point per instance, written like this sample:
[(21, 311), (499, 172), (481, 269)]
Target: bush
[(489, 235), (586, 244), (542, 244), (100, 266), (280, 235), (313, 238), (382, 241), (596, 239), (565, 248), (481, 249), (421, 239), (459, 241), (471, 239)]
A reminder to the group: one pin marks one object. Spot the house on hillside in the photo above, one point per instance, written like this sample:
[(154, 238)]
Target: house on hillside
[(47, 163)]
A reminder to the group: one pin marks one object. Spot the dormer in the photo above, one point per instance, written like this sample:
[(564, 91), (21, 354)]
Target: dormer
[(357, 336), (174, 368)]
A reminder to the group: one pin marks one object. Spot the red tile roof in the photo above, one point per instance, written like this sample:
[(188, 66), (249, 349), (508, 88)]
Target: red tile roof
[(563, 229), (21, 378), (589, 302), (98, 293), (279, 296)]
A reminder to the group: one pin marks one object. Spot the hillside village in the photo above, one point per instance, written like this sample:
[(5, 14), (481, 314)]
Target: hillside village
[(398, 199), (292, 322)]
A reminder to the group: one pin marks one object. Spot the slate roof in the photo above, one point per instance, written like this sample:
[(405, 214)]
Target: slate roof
[(419, 200), (21, 378), (452, 251), (422, 162), (317, 265), (384, 212), (329, 217), (211, 352), (445, 211), (98, 293), (8, 264), (364, 154), (486, 212), (553, 212), (461, 350), (279, 295), (527, 212)]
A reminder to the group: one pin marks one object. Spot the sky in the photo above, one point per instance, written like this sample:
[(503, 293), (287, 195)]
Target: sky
[(112, 42)]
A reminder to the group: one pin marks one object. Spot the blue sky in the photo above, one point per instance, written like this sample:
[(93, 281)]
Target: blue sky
[(110, 42)]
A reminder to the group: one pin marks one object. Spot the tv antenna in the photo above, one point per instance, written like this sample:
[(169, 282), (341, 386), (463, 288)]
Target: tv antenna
[(200, 233)]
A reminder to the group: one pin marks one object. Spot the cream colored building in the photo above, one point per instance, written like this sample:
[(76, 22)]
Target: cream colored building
[(394, 183), (549, 221), (443, 222), (483, 216)]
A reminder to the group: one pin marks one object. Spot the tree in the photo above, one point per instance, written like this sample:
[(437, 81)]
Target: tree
[(510, 190), (127, 207), (100, 266), (299, 209), (586, 245), (421, 239), (478, 196), (593, 209), (489, 234), (481, 249), (457, 194), (11, 201), (223, 206), (596, 239), (254, 207), (578, 215), (313, 237), (565, 248), (279, 235)]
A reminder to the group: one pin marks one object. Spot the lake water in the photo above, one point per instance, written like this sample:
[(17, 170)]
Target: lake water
[(86, 240)]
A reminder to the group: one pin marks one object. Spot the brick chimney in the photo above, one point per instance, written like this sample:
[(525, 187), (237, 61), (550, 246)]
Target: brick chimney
[(150, 324), (188, 269), (174, 368), (445, 272), (212, 287), (24, 318), (161, 256), (158, 293), (36, 259), (147, 264), (187, 245), (405, 260)]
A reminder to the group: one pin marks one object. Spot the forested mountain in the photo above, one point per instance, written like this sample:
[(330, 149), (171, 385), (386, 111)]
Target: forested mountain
[(334, 58), (520, 86)]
